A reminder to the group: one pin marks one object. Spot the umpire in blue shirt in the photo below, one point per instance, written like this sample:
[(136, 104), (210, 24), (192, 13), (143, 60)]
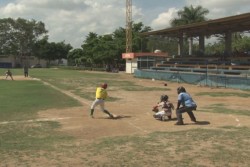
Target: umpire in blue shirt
[(185, 104)]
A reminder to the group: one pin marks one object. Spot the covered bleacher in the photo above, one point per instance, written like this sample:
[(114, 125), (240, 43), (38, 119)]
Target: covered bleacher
[(204, 67), (226, 26)]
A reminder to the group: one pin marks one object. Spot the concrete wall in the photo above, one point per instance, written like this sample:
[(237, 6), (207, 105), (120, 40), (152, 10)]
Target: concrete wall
[(131, 65)]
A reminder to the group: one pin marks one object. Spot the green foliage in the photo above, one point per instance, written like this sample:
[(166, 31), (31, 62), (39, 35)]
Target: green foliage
[(190, 15), (19, 35), (51, 50), (100, 50), (242, 44)]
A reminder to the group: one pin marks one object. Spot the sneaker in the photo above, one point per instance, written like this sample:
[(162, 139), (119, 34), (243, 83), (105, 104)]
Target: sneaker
[(193, 120), (111, 116), (163, 118), (179, 123)]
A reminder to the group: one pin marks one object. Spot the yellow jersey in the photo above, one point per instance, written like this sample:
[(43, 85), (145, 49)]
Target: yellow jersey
[(101, 93)]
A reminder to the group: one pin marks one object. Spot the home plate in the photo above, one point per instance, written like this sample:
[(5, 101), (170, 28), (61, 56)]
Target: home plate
[(114, 116)]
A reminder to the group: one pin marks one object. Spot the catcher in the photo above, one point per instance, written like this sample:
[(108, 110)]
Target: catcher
[(166, 109)]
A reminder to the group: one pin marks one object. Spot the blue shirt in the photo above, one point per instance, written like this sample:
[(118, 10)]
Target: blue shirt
[(186, 100)]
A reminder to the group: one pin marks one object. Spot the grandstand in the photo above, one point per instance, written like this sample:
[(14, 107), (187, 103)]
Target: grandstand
[(231, 69)]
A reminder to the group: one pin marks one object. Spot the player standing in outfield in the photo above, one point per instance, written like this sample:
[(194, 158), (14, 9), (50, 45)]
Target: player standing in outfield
[(26, 71), (188, 105), (101, 95)]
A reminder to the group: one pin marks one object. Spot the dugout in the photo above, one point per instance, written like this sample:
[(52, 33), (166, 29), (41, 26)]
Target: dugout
[(143, 60)]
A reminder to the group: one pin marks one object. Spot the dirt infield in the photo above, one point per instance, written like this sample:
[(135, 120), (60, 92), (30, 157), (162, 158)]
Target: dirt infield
[(135, 115)]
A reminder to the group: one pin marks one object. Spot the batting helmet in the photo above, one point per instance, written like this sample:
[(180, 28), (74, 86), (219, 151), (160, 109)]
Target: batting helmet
[(104, 85), (164, 97), (181, 89)]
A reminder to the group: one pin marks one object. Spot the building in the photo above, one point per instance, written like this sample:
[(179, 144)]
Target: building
[(143, 60)]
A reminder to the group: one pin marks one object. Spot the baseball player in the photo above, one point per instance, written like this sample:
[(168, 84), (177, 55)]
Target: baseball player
[(8, 73), (101, 95), (166, 109), (188, 105)]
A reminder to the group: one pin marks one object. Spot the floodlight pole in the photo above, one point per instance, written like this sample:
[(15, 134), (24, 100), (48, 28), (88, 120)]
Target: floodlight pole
[(128, 26)]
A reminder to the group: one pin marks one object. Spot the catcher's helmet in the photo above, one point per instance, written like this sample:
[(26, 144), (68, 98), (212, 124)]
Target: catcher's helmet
[(181, 89), (164, 97), (104, 85)]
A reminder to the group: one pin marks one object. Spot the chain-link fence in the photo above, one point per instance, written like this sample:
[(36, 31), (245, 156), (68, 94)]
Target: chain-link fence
[(228, 79)]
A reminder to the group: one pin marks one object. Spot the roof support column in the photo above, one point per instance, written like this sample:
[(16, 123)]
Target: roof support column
[(228, 43), (201, 45), (190, 49), (180, 45)]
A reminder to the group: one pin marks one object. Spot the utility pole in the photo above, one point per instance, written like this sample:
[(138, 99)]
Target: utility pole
[(128, 26)]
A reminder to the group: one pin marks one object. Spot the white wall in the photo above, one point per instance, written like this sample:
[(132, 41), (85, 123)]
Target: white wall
[(131, 65)]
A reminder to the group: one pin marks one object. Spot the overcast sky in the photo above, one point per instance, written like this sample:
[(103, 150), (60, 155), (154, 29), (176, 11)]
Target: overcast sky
[(72, 20)]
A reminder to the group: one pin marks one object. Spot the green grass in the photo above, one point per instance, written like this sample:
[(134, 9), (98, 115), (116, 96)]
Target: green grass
[(171, 148), (224, 94), (84, 83), (24, 143), (23, 136), (23, 99), (183, 148), (226, 146), (221, 108)]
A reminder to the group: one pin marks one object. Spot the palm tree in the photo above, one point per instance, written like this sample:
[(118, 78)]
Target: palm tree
[(190, 15)]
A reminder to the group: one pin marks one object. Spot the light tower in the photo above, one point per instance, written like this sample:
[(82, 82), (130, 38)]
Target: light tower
[(128, 26)]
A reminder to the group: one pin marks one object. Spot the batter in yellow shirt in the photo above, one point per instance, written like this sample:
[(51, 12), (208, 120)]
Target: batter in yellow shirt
[(101, 93)]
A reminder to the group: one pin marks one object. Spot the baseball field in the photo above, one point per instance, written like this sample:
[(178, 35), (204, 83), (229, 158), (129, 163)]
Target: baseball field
[(44, 121)]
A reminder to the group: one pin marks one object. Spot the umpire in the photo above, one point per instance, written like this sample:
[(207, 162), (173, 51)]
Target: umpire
[(187, 105)]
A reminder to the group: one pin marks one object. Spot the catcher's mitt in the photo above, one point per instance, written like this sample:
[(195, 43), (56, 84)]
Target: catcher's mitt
[(155, 109)]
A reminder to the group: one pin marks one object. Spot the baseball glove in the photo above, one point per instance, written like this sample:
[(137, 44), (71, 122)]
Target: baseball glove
[(155, 109)]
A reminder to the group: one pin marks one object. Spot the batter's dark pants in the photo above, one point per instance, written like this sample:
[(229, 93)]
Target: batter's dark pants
[(189, 110)]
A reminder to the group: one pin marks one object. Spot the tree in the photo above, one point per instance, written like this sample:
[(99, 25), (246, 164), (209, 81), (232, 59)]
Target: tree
[(56, 51), (39, 48), (90, 48), (75, 57), (51, 51), (107, 49), (139, 43), (19, 36), (190, 15)]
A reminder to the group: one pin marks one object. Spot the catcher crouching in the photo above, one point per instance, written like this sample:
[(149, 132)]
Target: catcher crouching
[(165, 111)]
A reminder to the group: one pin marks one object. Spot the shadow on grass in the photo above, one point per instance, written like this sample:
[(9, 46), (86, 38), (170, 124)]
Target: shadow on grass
[(200, 123)]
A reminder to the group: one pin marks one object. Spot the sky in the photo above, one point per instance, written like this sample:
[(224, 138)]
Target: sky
[(72, 20)]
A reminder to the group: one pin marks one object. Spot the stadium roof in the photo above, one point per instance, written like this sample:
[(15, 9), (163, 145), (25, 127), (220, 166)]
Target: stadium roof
[(237, 23)]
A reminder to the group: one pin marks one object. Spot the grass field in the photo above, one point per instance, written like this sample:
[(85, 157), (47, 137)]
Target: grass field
[(28, 140)]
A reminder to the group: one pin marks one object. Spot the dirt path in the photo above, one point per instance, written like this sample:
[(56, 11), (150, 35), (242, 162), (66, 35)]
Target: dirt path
[(134, 110)]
